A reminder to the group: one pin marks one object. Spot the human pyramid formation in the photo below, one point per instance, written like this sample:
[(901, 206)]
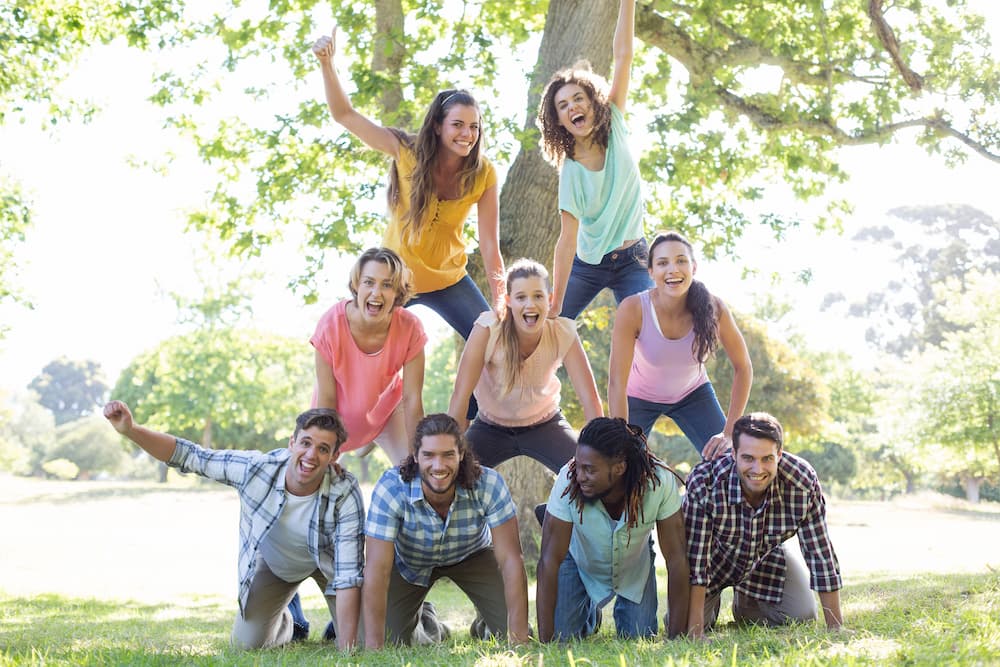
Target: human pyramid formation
[(443, 511)]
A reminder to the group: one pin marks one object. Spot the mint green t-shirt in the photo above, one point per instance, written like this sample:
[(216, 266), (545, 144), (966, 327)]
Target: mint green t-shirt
[(608, 203)]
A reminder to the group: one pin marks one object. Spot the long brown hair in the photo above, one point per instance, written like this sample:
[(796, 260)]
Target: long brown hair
[(424, 145), (698, 301), (511, 362), (557, 142), (439, 423)]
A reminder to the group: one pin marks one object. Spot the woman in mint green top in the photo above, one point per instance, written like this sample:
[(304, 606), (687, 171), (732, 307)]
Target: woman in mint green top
[(601, 241)]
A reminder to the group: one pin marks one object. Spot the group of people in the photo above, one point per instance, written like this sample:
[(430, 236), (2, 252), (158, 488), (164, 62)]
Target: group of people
[(442, 510)]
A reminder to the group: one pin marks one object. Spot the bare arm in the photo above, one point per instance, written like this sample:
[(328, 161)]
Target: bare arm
[(371, 133), (673, 546), (470, 367), (831, 609), (378, 567), (158, 445), (622, 51), (555, 545), (628, 322), (580, 374), (562, 262), (736, 350), (488, 215), (326, 385), (348, 609), (413, 387), (507, 549)]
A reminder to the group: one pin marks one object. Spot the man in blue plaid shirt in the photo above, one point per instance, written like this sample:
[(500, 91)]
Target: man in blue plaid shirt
[(298, 520), (739, 510), (439, 514)]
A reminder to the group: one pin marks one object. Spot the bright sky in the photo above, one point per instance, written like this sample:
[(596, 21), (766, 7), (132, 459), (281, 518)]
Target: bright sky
[(108, 243)]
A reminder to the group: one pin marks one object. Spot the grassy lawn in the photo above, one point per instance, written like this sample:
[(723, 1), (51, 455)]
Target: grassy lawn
[(138, 574)]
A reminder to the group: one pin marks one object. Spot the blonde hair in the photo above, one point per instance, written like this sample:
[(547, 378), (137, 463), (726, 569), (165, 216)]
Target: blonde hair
[(398, 273), (510, 369)]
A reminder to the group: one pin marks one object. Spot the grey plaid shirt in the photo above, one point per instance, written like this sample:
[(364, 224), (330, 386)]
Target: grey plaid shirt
[(336, 539)]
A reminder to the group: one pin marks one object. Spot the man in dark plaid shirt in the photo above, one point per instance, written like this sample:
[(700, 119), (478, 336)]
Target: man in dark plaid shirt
[(739, 510), (298, 520)]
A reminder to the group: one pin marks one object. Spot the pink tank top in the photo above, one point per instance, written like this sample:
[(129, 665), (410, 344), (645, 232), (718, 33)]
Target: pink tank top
[(664, 370)]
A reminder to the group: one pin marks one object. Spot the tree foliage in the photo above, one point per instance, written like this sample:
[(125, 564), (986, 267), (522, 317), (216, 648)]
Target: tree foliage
[(70, 389)]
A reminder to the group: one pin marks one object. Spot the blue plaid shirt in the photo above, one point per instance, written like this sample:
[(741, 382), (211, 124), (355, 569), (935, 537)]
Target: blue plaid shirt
[(731, 543), (335, 537), (398, 513)]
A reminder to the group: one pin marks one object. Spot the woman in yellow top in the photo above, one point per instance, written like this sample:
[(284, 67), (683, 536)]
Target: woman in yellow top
[(436, 177)]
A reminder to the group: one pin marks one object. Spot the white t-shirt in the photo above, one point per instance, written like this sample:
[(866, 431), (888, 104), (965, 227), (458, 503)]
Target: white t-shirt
[(285, 548)]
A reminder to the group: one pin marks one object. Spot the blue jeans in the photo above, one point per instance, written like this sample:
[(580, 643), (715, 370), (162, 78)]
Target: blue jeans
[(576, 613), (624, 272), (698, 414), (459, 305)]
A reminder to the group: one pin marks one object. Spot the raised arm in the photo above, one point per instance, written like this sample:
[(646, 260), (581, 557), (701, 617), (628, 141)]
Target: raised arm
[(379, 555), (622, 51), (628, 322), (158, 445), (556, 534), (507, 549), (673, 546), (371, 133), (470, 367), (736, 350), (562, 262), (488, 215), (580, 374)]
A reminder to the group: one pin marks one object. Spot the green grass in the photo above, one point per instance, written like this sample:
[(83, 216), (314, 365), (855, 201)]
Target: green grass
[(929, 619)]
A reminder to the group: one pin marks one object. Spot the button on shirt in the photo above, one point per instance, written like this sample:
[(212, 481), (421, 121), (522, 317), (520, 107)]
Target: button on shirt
[(399, 513), (731, 543), (612, 559), (336, 541)]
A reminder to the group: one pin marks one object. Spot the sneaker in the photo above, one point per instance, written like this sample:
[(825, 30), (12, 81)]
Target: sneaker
[(330, 633), (540, 513)]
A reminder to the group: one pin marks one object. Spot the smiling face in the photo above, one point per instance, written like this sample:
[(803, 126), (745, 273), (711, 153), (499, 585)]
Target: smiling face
[(671, 267), (438, 459), (757, 465), (377, 292), (313, 449), (596, 474), (528, 303), (458, 133), (575, 110)]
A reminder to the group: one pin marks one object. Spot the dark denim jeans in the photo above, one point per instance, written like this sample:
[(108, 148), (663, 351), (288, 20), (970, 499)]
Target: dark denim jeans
[(624, 272), (698, 414)]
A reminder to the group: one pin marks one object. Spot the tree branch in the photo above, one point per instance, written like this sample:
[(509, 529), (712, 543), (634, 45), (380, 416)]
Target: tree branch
[(889, 42)]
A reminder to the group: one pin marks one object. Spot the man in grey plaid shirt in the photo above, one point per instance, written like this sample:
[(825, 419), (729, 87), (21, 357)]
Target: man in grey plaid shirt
[(739, 511), (298, 520)]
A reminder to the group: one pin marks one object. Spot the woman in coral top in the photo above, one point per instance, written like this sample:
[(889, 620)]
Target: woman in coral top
[(510, 362), (436, 177)]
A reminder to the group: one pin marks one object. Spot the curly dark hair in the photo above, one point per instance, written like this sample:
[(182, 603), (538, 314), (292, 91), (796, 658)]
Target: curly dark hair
[(617, 440), (326, 419), (469, 469), (698, 301), (557, 142)]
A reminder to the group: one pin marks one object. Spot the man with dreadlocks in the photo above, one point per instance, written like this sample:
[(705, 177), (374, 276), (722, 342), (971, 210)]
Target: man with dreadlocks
[(596, 538), (439, 514)]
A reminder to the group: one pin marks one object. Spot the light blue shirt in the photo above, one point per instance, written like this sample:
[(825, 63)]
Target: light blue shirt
[(399, 513), (608, 203), (611, 559)]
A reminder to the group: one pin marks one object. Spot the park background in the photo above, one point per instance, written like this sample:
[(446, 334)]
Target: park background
[(179, 210)]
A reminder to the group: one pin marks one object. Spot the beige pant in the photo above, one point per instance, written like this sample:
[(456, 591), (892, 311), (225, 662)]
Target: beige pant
[(798, 603), (266, 621)]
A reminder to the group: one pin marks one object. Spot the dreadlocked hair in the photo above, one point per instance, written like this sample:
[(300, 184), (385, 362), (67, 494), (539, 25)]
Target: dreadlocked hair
[(557, 142), (698, 301), (510, 355), (439, 423), (425, 145), (617, 440)]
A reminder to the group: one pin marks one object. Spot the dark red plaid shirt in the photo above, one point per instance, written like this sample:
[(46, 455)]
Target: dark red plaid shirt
[(732, 544)]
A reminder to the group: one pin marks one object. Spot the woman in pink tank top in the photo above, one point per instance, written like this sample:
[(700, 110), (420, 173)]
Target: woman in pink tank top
[(661, 340)]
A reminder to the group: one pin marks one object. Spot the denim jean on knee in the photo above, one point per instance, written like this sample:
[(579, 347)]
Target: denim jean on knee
[(624, 272), (576, 612), (459, 305), (698, 414)]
